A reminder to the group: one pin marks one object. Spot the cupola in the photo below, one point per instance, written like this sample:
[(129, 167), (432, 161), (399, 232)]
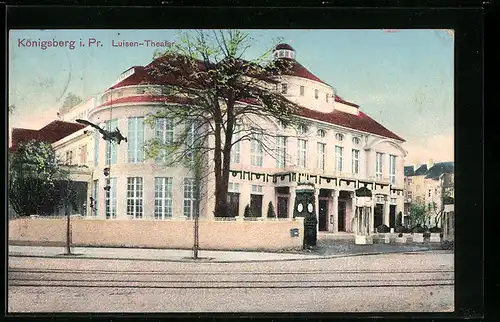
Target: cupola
[(284, 51)]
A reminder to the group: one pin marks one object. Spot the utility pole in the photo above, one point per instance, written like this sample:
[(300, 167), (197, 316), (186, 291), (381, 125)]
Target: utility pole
[(68, 220)]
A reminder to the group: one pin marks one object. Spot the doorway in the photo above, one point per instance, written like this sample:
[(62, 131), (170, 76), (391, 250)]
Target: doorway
[(323, 215), (378, 215), (341, 215), (392, 216), (282, 207)]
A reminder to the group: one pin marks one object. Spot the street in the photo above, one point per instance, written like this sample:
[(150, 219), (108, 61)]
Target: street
[(399, 282)]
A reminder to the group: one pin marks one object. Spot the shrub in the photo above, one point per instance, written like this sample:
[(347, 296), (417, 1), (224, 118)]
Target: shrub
[(427, 234), (436, 230), (418, 229), (248, 212), (383, 229), (270, 210), (399, 219), (401, 229)]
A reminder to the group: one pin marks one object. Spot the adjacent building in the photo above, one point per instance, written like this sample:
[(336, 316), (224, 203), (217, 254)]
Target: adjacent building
[(340, 150)]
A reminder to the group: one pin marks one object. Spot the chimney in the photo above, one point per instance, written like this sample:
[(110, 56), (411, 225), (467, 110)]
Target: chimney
[(430, 163)]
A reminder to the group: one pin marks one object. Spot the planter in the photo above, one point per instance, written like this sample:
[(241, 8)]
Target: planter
[(435, 238), (401, 240), (363, 240), (418, 237)]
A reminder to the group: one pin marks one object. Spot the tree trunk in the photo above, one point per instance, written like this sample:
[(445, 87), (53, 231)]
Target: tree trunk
[(68, 230)]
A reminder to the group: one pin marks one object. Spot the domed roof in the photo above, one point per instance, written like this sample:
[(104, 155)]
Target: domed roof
[(283, 46)]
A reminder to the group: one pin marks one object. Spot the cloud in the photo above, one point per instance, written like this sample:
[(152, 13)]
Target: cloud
[(439, 148)]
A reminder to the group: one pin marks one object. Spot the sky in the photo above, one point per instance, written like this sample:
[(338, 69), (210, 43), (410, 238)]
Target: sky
[(401, 78)]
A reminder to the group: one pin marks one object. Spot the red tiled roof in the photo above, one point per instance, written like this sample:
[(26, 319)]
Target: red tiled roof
[(296, 69), (361, 122), (146, 99), (341, 100), (50, 133)]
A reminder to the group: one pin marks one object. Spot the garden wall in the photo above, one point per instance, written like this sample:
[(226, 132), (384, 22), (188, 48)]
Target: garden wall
[(213, 235)]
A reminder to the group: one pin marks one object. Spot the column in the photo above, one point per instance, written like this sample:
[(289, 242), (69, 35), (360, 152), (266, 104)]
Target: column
[(350, 227), (245, 191), (335, 210), (148, 196), (291, 202), (371, 218), (386, 210)]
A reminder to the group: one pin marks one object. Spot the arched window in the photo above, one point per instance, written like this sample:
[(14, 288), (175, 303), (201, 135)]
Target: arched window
[(339, 137), (302, 129), (321, 133), (356, 140)]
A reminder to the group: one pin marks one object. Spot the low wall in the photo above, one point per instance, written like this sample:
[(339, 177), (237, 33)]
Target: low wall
[(214, 235)]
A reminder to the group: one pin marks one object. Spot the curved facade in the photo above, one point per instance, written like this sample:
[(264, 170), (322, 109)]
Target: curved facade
[(340, 149)]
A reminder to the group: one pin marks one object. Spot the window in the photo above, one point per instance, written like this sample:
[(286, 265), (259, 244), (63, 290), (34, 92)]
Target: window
[(135, 139), (302, 129), (355, 161), (356, 140), (321, 133), (164, 129), (140, 90), (392, 168), (339, 137), (95, 198), (429, 193), (256, 150), (111, 198), (190, 195), (409, 194), (235, 149), (410, 181), (379, 165), (233, 199), (163, 198), (190, 141), (321, 156), (284, 88), (69, 157), (326, 97), (256, 201), (301, 90), (302, 149), (83, 154), (280, 152), (339, 162), (111, 147), (134, 197), (96, 148), (316, 94)]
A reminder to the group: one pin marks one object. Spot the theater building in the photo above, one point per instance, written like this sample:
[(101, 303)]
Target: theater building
[(340, 150)]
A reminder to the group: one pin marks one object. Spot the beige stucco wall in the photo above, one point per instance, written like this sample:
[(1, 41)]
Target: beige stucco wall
[(270, 235)]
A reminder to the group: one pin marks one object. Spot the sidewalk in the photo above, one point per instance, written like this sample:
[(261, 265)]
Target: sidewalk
[(179, 255)]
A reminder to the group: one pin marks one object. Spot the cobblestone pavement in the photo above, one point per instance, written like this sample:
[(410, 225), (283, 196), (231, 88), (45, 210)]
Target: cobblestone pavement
[(402, 282)]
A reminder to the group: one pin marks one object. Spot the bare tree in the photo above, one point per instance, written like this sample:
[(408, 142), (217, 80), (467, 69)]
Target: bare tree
[(222, 99)]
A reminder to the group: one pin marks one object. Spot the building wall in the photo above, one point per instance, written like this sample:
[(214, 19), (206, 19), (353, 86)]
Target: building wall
[(265, 235)]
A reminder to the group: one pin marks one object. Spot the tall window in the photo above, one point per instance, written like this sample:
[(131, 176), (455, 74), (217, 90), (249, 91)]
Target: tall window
[(163, 198), (96, 148), (190, 198), (316, 94), (135, 139), (280, 152), (134, 197), (321, 156), (379, 165), (326, 97), (83, 154), (355, 161), (95, 196), (233, 199), (235, 149), (302, 149), (111, 198), (164, 129), (301, 90), (392, 168), (111, 147), (339, 158), (256, 151), (284, 88), (69, 157), (190, 141), (256, 201)]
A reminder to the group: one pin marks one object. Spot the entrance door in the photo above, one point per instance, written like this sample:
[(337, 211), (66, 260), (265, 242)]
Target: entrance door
[(392, 216), (282, 207), (341, 221), (323, 215), (378, 215)]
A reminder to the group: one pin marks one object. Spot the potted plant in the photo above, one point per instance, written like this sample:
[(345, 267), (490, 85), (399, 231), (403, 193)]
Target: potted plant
[(270, 210), (436, 233), (401, 237), (384, 233), (418, 234)]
